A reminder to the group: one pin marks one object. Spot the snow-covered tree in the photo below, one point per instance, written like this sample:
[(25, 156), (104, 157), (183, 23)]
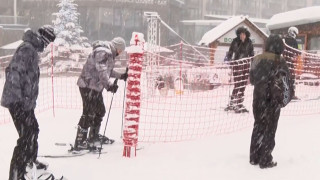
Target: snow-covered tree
[(66, 25)]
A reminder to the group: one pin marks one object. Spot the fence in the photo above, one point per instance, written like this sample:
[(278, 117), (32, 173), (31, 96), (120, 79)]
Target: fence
[(184, 95)]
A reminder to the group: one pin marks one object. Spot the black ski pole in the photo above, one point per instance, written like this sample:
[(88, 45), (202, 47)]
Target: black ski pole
[(104, 133), (124, 97)]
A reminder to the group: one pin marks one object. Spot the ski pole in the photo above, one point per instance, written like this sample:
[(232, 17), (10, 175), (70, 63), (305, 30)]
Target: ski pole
[(124, 97), (104, 133)]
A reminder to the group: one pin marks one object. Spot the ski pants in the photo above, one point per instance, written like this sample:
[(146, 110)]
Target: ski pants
[(26, 150), (240, 72), (264, 131), (93, 108)]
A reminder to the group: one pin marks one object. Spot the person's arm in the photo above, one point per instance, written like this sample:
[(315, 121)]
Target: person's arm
[(231, 50), (251, 52), (104, 66), (27, 67), (295, 44), (253, 71)]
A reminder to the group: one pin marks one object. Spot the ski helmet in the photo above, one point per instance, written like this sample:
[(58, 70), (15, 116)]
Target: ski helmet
[(293, 31)]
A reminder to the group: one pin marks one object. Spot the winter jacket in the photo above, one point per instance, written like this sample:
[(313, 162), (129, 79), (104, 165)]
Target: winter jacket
[(98, 69), (239, 48), (263, 70), (22, 74), (290, 41)]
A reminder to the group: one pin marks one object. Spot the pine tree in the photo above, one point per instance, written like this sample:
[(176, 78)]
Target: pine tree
[(66, 25)]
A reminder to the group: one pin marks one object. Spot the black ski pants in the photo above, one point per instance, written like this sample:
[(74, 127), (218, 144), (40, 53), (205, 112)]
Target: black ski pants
[(264, 131), (26, 150), (93, 108)]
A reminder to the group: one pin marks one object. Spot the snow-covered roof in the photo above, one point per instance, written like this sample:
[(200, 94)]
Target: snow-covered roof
[(295, 17), (225, 17), (225, 27), (13, 45), (202, 22)]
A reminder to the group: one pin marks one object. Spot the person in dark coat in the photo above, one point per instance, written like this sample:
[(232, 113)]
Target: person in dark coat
[(290, 40), (266, 104), (94, 78), (19, 95), (241, 47)]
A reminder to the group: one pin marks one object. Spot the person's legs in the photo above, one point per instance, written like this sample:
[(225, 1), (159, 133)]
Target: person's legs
[(268, 140), (84, 121), (26, 149), (257, 133), (99, 113)]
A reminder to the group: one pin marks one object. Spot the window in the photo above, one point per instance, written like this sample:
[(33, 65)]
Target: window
[(314, 43), (106, 15), (117, 17)]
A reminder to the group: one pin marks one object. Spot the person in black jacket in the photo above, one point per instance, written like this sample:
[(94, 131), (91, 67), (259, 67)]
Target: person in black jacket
[(290, 40), (266, 104), (19, 95), (241, 47)]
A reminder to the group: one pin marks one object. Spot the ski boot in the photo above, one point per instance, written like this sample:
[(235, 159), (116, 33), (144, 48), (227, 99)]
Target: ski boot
[(95, 139), (81, 139), (229, 107), (105, 139), (240, 109), (268, 165), (41, 165)]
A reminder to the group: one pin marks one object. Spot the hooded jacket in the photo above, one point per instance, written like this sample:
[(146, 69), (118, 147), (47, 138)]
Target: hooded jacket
[(262, 73), (22, 73), (239, 48), (98, 69)]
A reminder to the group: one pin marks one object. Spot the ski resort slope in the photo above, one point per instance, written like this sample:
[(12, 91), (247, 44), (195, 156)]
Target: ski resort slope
[(223, 157)]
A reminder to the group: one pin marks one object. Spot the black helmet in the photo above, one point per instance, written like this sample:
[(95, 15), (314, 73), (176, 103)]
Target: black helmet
[(47, 34)]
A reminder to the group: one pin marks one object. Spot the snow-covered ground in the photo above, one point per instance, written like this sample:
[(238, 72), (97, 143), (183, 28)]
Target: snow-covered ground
[(217, 157)]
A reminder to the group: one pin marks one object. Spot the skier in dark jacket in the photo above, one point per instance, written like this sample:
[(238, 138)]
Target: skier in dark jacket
[(241, 47), (19, 95), (290, 40), (94, 78), (266, 105)]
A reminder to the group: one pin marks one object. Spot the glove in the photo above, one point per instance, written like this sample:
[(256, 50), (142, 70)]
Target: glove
[(114, 87), (161, 85), (125, 75)]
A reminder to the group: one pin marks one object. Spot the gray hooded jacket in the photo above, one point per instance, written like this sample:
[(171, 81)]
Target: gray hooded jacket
[(22, 74), (98, 69)]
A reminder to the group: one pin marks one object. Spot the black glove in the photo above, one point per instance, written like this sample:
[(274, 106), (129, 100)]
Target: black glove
[(161, 85), (114, 87), (125, 75)]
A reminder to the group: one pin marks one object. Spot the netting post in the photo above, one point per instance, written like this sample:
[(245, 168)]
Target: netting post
[(52, 89), (133, 93)]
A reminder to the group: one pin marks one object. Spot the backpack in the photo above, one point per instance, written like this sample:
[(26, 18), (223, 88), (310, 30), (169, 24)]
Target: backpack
[(282, 86)]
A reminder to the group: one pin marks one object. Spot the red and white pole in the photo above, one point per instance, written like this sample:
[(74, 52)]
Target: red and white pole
[(133, 95)]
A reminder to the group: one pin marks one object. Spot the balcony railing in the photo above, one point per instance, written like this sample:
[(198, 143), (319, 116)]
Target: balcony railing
[(11, 20)]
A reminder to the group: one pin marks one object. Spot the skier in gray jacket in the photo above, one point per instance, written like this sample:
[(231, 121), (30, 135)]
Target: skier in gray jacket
[(94, 78)]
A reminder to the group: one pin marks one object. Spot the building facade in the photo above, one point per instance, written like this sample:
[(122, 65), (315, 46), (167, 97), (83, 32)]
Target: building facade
[(254, 8), (105, 19)]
